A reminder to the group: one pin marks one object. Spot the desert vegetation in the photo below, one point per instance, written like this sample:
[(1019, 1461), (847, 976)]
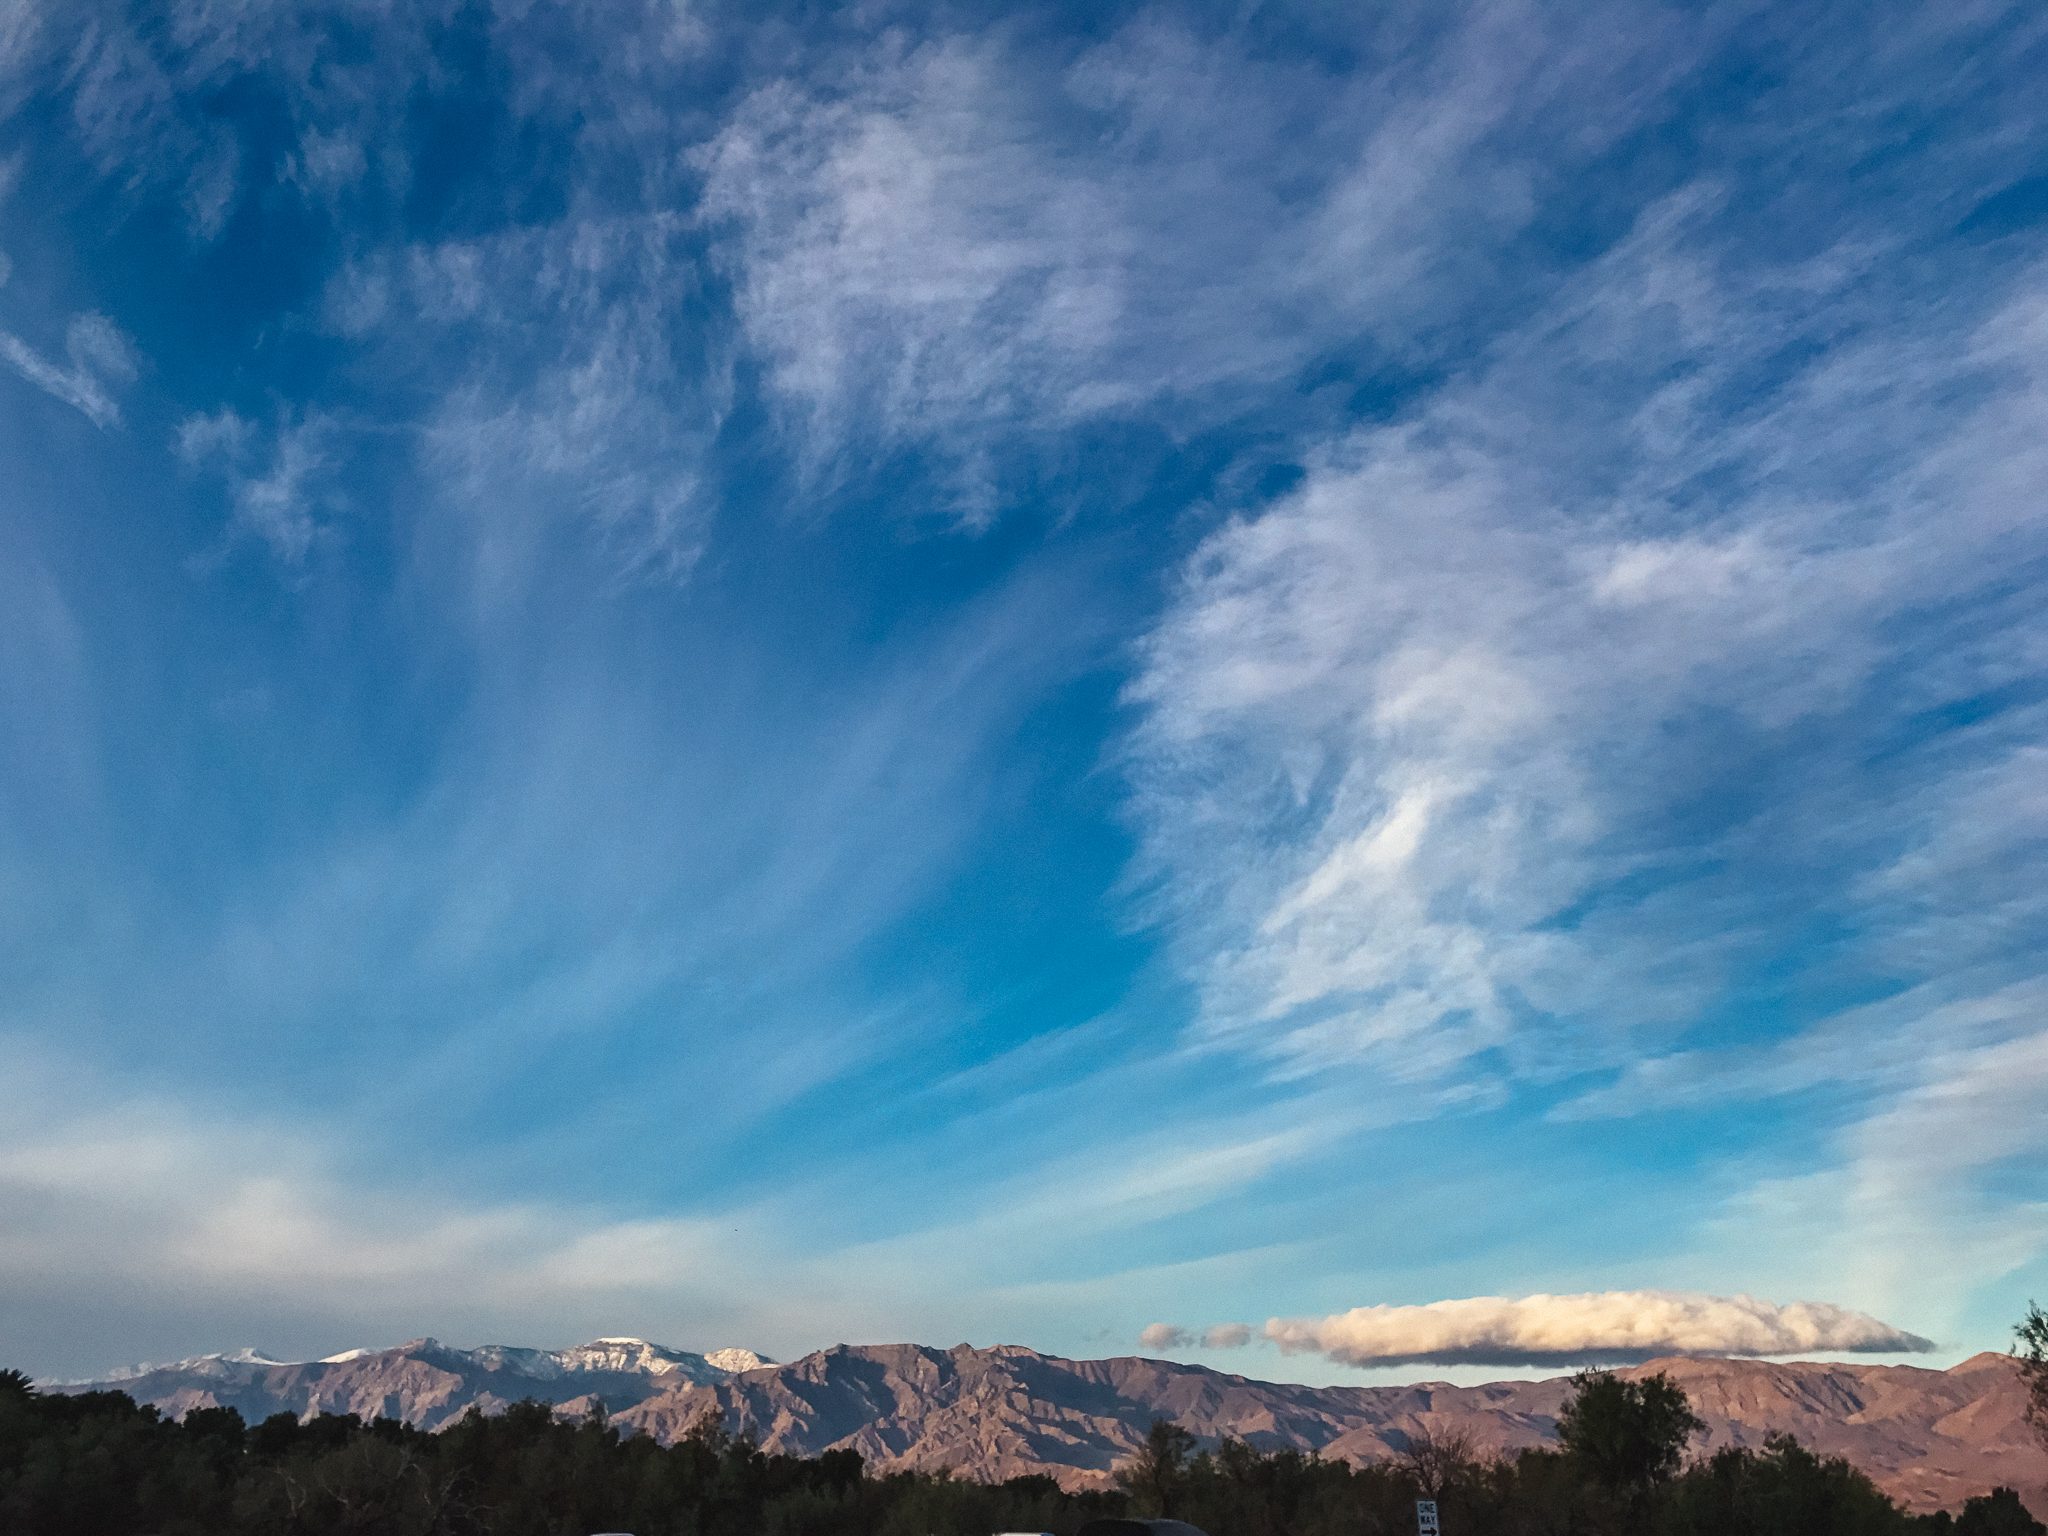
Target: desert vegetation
[(97, 1464)]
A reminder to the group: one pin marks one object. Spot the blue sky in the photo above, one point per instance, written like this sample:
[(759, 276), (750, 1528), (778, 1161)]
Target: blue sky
[(778, 676)]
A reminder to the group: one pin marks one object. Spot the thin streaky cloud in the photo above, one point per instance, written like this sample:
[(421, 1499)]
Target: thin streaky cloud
[(1431, 664), (929, 255), (273, 478), (101, 356)]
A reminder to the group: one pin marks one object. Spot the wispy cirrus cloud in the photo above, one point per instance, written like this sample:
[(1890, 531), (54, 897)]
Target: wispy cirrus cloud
[(1444, 753), (962, 245), (574, 370), (273, 477), (1924, 1169), (1531, 730), (613, 428), (595, 386), (102, 359), (21, 24), (1878, 1049), (1608, 1327)]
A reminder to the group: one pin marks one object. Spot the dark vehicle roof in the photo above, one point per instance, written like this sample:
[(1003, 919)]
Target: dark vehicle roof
[(1138, 1528)]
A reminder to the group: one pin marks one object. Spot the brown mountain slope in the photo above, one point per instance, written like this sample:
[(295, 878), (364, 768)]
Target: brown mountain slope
[(1929, 1438)]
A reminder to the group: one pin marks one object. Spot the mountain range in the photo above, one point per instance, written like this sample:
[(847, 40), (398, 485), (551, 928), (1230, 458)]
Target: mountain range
[(1929, 1438), (424, 1382)]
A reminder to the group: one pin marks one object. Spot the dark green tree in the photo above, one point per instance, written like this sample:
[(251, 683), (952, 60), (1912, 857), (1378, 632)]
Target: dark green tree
[(274, 1438), (1781, 1490), (1627, 1434), (2031, 1354), (1998, 1513), (96, 1464), (708, 1430), (1156, 1474), (1437, 1459), (1244, 1491)]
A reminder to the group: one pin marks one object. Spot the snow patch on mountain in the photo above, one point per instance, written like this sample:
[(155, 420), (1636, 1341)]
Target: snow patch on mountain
[(737, 1360), (622, 1369), (216, 1364), (633, 1355)]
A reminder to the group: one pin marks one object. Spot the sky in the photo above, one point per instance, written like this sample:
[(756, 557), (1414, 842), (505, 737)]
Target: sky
[(1344, 691)]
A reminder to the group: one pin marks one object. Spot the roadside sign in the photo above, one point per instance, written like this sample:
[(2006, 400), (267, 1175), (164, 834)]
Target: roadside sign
[(1425, 1518)]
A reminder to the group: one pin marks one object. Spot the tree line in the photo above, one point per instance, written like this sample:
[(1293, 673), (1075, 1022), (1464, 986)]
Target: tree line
[(99, 1464), (1618, 1470)]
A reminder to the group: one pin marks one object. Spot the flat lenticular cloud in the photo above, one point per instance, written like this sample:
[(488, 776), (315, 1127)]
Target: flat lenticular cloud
[(1609, 1327)]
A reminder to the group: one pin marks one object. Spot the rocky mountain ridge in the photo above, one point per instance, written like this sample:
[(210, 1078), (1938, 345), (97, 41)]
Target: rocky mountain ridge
[(424, 1382), (1929, 1438)]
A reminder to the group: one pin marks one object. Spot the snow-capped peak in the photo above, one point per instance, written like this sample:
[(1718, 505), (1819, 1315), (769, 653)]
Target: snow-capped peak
[(249, 1355), (737, 1360), (614, 1354), (620, 1354)]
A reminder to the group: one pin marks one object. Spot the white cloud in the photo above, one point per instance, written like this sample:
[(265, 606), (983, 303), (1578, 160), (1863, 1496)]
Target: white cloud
[(214, 183), (97, 346), (129, 114), (1368, 666), (1429, 744), (226, 433), (21, 23), (1931, 1168), (273, 497), (573, 372), (101, 356), (223, 1208), (222, 1218), (1878, 1049), (589, 396), (207, 1221), (590, 434), (142, 97), (905, 257), (1612, 1327), (961, 246), (1227, 1336), (327, 163), (1165, 1336)]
